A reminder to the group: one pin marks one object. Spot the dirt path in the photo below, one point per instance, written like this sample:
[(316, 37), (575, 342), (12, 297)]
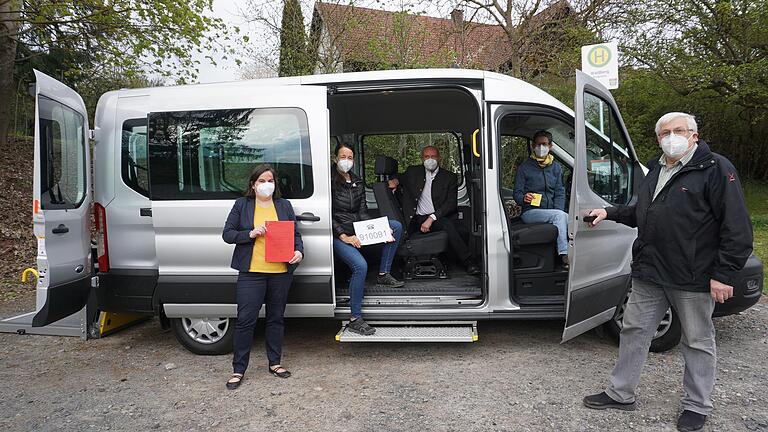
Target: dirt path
[(516, 378)]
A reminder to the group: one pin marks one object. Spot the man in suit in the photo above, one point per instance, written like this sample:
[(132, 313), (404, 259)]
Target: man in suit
[(430, 202)]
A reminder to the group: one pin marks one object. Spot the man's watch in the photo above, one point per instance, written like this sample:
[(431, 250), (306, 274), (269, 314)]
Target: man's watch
[(434, 218)]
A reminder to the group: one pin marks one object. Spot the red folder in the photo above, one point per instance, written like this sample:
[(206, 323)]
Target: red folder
[(279, 241)]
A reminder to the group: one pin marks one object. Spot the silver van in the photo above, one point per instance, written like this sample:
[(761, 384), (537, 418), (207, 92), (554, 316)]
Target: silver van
[(169, 161)]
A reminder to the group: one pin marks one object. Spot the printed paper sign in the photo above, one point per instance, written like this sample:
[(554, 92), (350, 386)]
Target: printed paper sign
[(373, 231)]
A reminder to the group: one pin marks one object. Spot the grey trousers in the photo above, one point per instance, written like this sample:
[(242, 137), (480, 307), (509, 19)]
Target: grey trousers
[(645, 309)]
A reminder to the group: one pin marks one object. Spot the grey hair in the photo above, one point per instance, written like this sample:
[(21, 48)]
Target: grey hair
[(668, 117)]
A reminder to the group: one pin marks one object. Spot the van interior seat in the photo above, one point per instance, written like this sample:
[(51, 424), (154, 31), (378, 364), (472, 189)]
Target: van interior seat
[(534, 246), (419, 249)]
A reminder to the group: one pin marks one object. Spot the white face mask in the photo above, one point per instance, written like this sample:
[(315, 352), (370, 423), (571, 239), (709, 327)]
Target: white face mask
[(541, 150), (265, 189), (430, 164), (674, 145), (345, 165)]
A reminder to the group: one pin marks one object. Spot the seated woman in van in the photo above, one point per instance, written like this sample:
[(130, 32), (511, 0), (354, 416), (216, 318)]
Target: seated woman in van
[(259, 281), (541, 175), (348, 206)]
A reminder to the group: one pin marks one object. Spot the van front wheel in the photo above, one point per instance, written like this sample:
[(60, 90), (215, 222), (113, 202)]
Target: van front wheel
[(205, 336), (668, 333)]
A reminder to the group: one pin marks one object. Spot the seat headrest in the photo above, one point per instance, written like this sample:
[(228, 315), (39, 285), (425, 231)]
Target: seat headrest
[(385, 165)]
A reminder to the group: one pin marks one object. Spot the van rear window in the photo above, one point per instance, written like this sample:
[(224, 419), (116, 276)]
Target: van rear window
[(210, 154)]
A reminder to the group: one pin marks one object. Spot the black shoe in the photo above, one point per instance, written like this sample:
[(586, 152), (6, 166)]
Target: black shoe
[(602, 401), (283, 372), (472, 268), (235, 381), (360, 327), (564, 260), (690, 421), (387, 280)]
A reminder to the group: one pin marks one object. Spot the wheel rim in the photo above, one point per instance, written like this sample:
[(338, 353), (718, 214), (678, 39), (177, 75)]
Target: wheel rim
[(205, 330), (661, 330)]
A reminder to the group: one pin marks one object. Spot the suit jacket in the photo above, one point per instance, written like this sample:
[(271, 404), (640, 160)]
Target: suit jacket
[(444, 191), (240, 223)]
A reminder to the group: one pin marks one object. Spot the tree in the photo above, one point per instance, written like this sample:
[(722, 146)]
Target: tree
[(131, 36), (712, 56), (294, 57)]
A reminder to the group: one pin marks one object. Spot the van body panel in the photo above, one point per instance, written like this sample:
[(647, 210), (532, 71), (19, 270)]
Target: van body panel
[(599, 256), (61, 194)]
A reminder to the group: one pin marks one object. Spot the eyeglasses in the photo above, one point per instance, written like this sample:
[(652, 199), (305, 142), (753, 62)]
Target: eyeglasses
[(677, 131)]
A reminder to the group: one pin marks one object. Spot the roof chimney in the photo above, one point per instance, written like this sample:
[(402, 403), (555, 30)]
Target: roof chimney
[(457, 16)]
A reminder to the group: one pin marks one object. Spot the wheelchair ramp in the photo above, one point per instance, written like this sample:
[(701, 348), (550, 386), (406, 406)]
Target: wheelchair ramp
[(73, 325), (413, 331)]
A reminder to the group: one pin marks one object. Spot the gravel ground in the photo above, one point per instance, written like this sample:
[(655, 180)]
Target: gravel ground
[(517, 377)]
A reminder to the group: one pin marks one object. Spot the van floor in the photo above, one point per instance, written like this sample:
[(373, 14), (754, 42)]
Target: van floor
[(460, 284)]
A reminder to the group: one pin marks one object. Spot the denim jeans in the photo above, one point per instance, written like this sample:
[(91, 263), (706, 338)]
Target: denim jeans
[(254, 290), (556, 217), (356, 262)]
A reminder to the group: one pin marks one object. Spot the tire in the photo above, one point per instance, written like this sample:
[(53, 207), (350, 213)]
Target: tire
[(205, 336), (667, 335)]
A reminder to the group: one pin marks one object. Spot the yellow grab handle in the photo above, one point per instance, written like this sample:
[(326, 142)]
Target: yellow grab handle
[(474, 142), (26, 272)]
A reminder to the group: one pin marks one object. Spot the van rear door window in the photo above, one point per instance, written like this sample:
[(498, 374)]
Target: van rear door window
[(210, 154), (133, 166)]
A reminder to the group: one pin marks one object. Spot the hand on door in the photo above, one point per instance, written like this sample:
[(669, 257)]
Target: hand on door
[(599, 215)]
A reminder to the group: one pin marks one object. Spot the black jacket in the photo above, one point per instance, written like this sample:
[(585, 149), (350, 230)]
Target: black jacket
[(347, 203), (444, 191), (695, 230), (240, 223)]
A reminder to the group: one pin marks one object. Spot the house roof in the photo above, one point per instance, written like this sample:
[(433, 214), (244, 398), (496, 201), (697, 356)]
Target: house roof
[(378, 36)]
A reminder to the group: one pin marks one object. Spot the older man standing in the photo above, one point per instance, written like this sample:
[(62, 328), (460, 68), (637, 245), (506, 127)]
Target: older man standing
[(694, 235)]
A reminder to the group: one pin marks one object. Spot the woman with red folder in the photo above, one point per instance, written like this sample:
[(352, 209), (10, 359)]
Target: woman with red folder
[(260, 281)]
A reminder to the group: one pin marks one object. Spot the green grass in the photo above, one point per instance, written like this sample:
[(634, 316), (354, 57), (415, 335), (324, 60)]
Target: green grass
[(756, 194)]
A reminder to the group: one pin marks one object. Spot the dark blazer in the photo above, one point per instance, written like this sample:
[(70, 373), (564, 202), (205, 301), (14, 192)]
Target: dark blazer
[(240, 223), (695, 230), (444, 191)]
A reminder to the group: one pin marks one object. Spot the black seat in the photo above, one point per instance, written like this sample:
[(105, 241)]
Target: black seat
[(534, 246), (419, 249)]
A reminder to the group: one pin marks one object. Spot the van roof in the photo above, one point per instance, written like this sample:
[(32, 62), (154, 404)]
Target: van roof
[(521, 87)]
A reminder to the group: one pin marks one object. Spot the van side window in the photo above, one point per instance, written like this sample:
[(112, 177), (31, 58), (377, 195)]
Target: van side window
[(514, 151), (210, 154), (406, 148), (62, 151), (609, 161), (133, 164)]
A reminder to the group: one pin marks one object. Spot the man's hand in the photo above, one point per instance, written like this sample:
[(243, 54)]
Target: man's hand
[(350, 240), (393, 183), (599, 215), (720, 291), (297, 257), (528, 197), (426, 225)]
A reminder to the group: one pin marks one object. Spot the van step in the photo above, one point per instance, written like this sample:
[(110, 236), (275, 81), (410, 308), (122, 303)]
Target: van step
[(413, 331)]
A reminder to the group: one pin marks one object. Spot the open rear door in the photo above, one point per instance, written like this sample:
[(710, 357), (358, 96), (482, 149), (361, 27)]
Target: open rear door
[(605, 173), (61, 201)]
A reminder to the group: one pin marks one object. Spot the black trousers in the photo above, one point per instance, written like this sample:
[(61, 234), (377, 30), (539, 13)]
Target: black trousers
[(444, 224), (253, 291)]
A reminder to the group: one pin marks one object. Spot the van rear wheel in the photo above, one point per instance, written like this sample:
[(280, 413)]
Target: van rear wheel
[(205, 336), (668, 333)]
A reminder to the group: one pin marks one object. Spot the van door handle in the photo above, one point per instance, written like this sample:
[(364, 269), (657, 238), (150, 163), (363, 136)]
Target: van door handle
[(145, 211), (61, 229), (307, 217)]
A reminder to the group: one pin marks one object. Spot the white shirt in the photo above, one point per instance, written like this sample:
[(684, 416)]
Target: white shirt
[(425, 205)]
